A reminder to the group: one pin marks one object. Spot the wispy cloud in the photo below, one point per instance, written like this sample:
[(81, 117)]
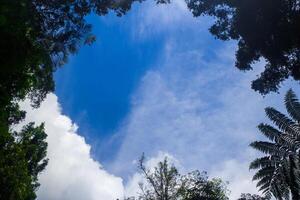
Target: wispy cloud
[(235, 171), (151, 19), (200, 109), (193, 104), (71, 172)]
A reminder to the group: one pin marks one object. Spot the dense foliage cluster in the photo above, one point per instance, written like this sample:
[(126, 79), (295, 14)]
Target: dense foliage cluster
[(266, 29), (22, 158), (37, 36), (251, 197)]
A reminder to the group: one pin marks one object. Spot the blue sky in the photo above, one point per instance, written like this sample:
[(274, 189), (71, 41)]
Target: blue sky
[(96, 86), (99, 80), (155, 81)]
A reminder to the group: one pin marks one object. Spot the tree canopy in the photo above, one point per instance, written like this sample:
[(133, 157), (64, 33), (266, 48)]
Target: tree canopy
[(165, 183), (22, 158), (37, 37), (266, 29)]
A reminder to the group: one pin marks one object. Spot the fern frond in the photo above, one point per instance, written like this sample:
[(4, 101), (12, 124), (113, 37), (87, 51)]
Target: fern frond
[(283, 122), (262, 162), (264, 181), (288, 142), (292, 105), (266, 171), (269, 131), (278, 173), (267, 148)]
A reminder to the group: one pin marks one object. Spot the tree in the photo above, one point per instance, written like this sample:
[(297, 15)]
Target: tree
[(251, 197), (37, 37), (266, 29), (197, 186), (22, 158), (279, 171), (165, 183)]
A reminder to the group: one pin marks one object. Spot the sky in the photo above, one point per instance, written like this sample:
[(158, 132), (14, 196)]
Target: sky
[(157, 82)]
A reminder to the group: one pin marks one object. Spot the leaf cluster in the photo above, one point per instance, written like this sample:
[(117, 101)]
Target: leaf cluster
[(251, 197), (266, 29), (22, 158)]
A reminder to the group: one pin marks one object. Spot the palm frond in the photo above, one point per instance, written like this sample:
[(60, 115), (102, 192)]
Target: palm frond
[(264, 182), (262, 162), (283, 122), (266, 171), (265, 187), (268, 195), (288, 142), (292, 105), (267, 148), (278, 173), (291, 172), (269, 131), (280, 191)]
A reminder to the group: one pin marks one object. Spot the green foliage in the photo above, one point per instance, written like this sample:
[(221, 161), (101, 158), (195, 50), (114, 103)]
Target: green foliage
[(162, 184), (37, 36), (22, 158), (197, 186), (278, 173), (251, 197), (165, 183), (266, 29)]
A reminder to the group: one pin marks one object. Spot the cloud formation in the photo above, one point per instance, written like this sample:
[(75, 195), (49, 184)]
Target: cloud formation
[(152, 19), (235, 171), (71, 173), (201, 110), (193, 103)]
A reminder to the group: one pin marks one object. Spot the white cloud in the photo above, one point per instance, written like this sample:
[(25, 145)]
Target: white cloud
[(71, 172), (193, 104), (152, 19), (198, 108), (237, 172)]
